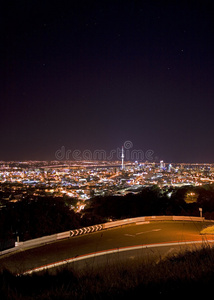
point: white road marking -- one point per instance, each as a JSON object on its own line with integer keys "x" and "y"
{"x": 126, "y": 234}
{"x": 148, "y": 231}
{"x": 142, "y": 232}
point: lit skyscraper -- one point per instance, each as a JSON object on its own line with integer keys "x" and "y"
{"x": 122, "y": 156}
{"x": 162, "y": 164}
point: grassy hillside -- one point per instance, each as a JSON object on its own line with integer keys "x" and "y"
{"x": 188, "y": 274}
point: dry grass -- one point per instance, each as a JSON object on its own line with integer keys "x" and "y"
{"x": 208, "y": 230}
{"x": 191, "y": 273}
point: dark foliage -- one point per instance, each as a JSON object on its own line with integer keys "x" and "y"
{"x": 31, "y": 219}
{"x": 153, "y": 201}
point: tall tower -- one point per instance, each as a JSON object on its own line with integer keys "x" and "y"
{"x": 122, "y": 156}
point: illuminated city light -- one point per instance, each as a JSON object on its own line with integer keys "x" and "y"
{"x": 84, "y": 180}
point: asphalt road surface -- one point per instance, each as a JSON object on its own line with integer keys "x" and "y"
{"x": 152, "y": 240}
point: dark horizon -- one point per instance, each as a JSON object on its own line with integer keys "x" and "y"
{"x": 91, "y": 75}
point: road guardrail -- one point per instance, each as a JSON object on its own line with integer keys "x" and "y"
{"x": 85, "y": 230}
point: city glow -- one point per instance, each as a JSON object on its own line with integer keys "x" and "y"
{"x": 84, "y": 180}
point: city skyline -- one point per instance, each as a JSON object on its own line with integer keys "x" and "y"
{"x": 90, "y": 75}
{"x": 84, "y": 180}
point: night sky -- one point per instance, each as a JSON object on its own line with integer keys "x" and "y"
{"x": 94, "y": 74}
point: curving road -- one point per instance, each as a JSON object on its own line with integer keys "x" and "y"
{"x": 130, "y": 242}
